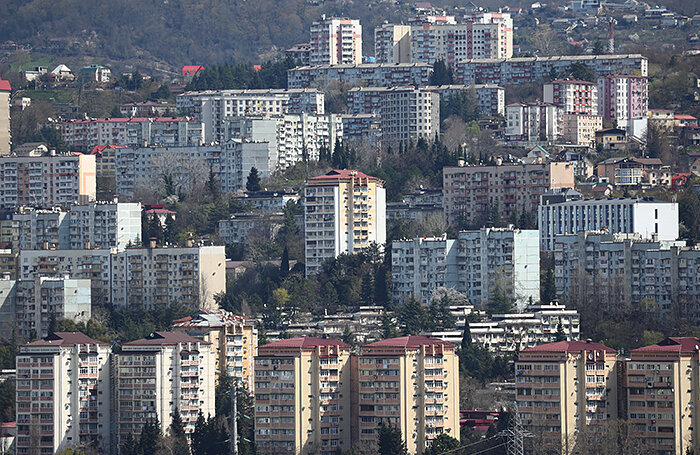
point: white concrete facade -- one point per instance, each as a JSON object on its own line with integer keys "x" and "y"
{"x": 335, "y": 41}
{"x": 648, "y": 218}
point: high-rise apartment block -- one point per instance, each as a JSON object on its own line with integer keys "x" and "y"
{"x": 47, "y": 180}
{"x": 489, "y": 97}
{"x": 623, "y": 98}
{"x": 614, "y": 268}
{"x": 84, "y": 135}
{"x": 63, "y": 394}
{"x": 572, "y": 96}
{"x": 408, "y": 113}
{"x": 528, "y": 70}
{"x": 579, "y": 129}
{"x": 647, "y": 217}
{"x": 234, "y": 339}
{"x": 365, "y": 74}
{"x": 409, "y": 382}
{"x": 485, "y": 36}
{"x": 137, "y": 277}
{"x": 303, "y": 397}
{"x": 566, "y": 387}
{"x": 344, "y": 212}
{"x": 5, "y": 138}
{"x": 335, "y": 41}
{"x": 477, "y": 264}
{"x": 469, "y": 192}
{"x": 532, "y": 122}
{"x": 157, "y": 375}
{"x": 212, "y": 107}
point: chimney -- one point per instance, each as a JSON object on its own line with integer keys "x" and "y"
{"x": 188, "y": 243}
{"x": 152, "y": 242}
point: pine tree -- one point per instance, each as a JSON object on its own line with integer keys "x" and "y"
{"x": 150, "y": 440}
{"x": 444, "y": 443}
{"x": 130, "y": 446}
{"x": 284, "y": 263}
{"x": 439, "y": 315}
{"x": 561, "y": 336}
{"x": 169, "y": 233}
{"x": 466, "y": 337}
{"x": 145, "y": 232}
{"x": 212, "y": 184}
{"x": 177, "y": 435}
{"x": 367, "y": 290}
{"x": 390, "y": 441}
{"x": 388, "y": 327}
{"x": 549, "y": 291}
{"x": 155, "y": 229}
{"x": 253, "y": 183}
{"x": 413, "y": 317}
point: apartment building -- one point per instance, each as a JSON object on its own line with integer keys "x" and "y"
{"x": 291, "y": 137}
{"x": 532, "y": 122}
{"x": 483, "y": 36}
{"x": 572, "y": 96}
{"x": 477, "y": 264}
{"x": 157, "y": 375}
{"x": 409, "y": 382}
{"x": 469, "y": 191}
{"x": 142, "y": 277}
{"x": 36, "y": 228}
{"x": 300, "y": 52}
{"x": 42, "y": 299}
{"x": 212, "y": 107}
{"x": 47, "y": 180}
{"x": 84, "y": 135}
{"x": 237, "y": 228}
{"x": 644, "y": 216}
{"x": 579, "y": 129}
{"x": 362, "y": 129}
{"x": 623, "y": 98}
{"x": 632, "y": 171}
{"x": 63, "y": 394}
{"x": 303, "y": 397}
{"x": 268, "y": 201}
{"x": 528, "y": 70}
{"x": 513, "y": 332}
{"x": 5, "y": 137}
{"x": 335, "y": 41}
{"x": 612, "y": 269}
{"x": 565, "y": 387}
{"x": 408, "y": 113}
{"x": 661, "y": 394}
{"x": 344, "y": 212}
{"x": 365, "y": 74}
{"x": 234, "y": 339}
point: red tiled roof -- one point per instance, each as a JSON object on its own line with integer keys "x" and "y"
{"x": 191, "y": 70}
{"x": 305, "y": 342}
{"x": 257, "y": 67}
{"x": 158, "y": 211}
{"x": 569, "y": 346}
{"x": 684, "y": 117}
{"x": 5, "y": 86}
{"x": 165, "y": 339}
{"x": 673, "y": 344}
{"x": 411, "y": 341}
{"x": 571, "y": 81}
{"x": 98, "y": 149}
{"x": 343, "y": 174}
{"x": 65, "y": 339}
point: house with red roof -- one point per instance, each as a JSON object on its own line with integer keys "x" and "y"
{"x": 179, "y": 372}
{"x": 158, "y": 210}
{"x": 190, "y": 71}
{"x": 565, "y": 387}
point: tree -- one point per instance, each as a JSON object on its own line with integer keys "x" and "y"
{"x": 155, "y": 229}
{"x": 170, "y": 232}
{"x": 561, "y": 336}
{"x": 390, "y": 441}
{"x": 151, "y": 438}
{"x": 412, "y": 317}
{"x": 581, "y": 72}
{"x": 284, "y": 263}
{"x": 441, "y": 74}
{"x": 548, "y": 293}
{"x": 442, "y": 444}
{"x": 466, "y": 337}
{"x": 388, "y": 327}
{"x": 163, "y": 92}
{"x": 7, "y": 401}
{"x": 177, "y": 438}
{"x": 213, "y": 184}
{"x": 439, "y": 314}
{"x": 253, "y": 183}
{"x": 598, "y": 48}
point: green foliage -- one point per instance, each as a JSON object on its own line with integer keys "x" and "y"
{"x": 272, "y": 74}
{"x": 136, "y": 323}
{"x": 561, "y": 336}
{"x": 210, "y": 436}
{"x": 91, "y": 328}
{"x": 163, "y": 92}
{"x": 133, "y": 81}
{"x": 180, "y": 446}
{"x": 388, "y": 327}
{"x": 253, "y": 182}
{"x": 390, "y": 441}
{"x": 462, "y": 105}
{"x": 548, "y": 290}
{"x": 439, "y": 315}
{"x": 413, "y": 317}
{"x": 689, "y": 216}
{"x": 148, "y": 443}
{"x": 8, "y": 351}
{"x": 499, "y": 301}
{"x": 581, "y": 72}
{"x": 442, "y": 444}
{"x": 7, "y": 401}
{"x": 442, "y": 75}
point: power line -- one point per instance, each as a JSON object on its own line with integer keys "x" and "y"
{"x": 473, "y": 444}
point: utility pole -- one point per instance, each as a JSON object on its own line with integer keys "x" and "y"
{"x": 515, "y": 434}
{"x": 233, "y": 421}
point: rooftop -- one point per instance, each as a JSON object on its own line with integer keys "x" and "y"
{"x": 685, "y": 345}
{"x": 305, "y": 343}
{"x": 343, "y": 174}
{"x": 570, "y": 346}
{"x": 5, "y": 86}
{"x": 210, "y": 318}
{"x": 411, "y": 341}
{"x": 165, "y": 339}
{"x": 65, "y": 339}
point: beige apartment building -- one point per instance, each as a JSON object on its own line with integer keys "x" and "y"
{"x": 335, "y": 41}
{"x": 5, "y": 138}
{"x": 561, "y": 385}
{"x": 469, "y": 191}
{"x": 234, "y": 338}
{"x": 154, "y": 376}
{"x": 662, "y": 394}
{"x": 410, "y": 382}
{"x": 302, "y": 397}
{"x": 344, "y": 212}
{"x": 580, "y": 129}
{"x": 63, "y": 395}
